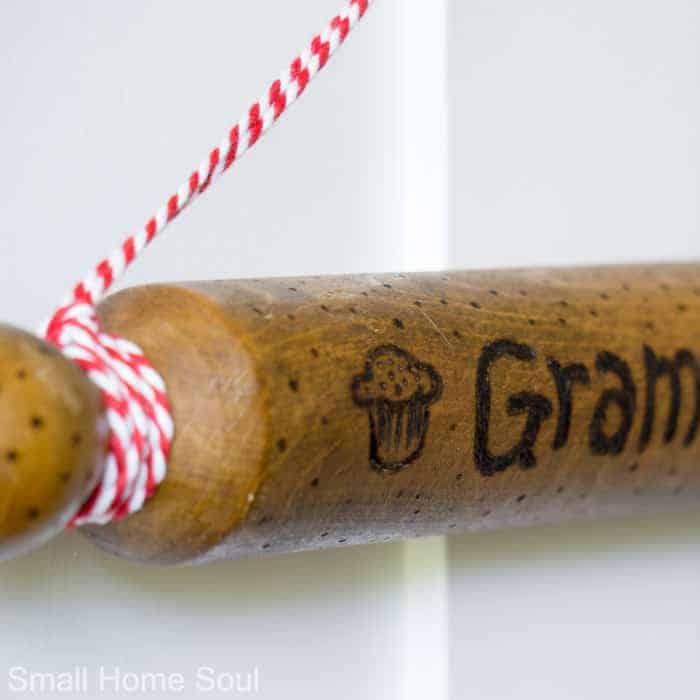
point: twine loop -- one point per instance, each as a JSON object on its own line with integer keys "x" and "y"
{"x": 136, "y": 409}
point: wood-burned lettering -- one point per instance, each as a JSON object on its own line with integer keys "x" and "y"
{"x": 536, "y": 406}
{"x": 657, "y": 367}
{"x": 613, "y": 415}
{"x": 624, "y": 397}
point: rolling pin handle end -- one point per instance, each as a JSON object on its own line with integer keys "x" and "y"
{"x": 52, "y": 441}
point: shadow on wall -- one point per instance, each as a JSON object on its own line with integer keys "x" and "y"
{"x": 266, "y": 582}
{"x": 576, "y": 544}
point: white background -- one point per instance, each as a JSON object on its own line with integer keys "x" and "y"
{"x": 445, "y": 133}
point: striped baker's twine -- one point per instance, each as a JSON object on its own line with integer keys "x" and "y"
{"x": 134, "y": 394}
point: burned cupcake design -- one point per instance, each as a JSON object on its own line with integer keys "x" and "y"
{"x": 397, "y": 390}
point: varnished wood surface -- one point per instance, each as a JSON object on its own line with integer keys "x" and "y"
{"x": 51, "y": 440}
{"x": 317, "y": 412}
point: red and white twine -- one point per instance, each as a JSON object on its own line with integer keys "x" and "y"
{"x": 134, "y": 395}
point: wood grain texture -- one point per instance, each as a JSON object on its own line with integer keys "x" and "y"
{"x": 291, "y": 434}
{"x": 51, "y": 440}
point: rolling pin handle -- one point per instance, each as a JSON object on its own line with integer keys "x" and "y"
{"x": 52, "y": 441}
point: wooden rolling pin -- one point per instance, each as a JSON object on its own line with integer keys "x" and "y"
{"x": 326, "y": 411}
